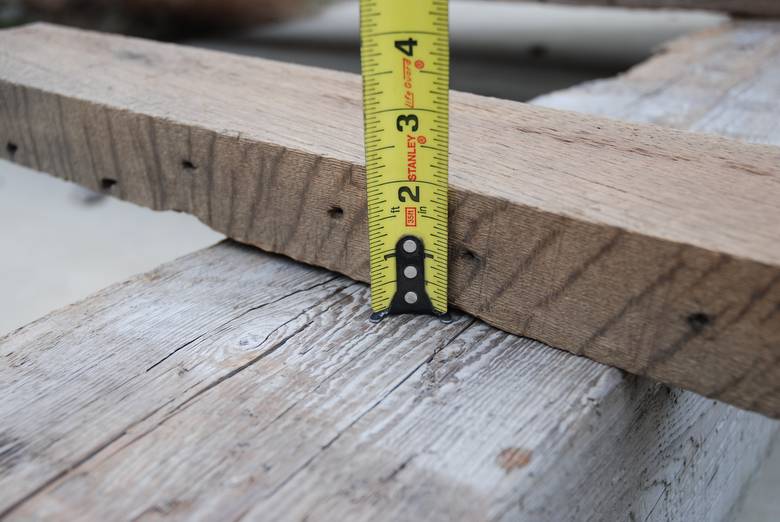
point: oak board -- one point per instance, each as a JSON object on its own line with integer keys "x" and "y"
{"x": 117, "y": 446}
{"x": 648, "y": 249}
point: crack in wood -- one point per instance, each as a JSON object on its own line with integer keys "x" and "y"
{"x": 245, "y": 312}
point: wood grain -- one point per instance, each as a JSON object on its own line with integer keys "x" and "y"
{"x": 652, "y": 250}
{"x": 737, "y": 7}
{"x": 233, "y": 384}
{"x": 722, "y": 81}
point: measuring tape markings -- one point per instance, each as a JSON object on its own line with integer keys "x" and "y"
{"x": 406, "y": 123}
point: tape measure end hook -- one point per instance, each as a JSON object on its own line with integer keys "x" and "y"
{"x": 376, "y": 317}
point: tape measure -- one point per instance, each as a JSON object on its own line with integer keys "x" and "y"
{"x": 405, "y": 61}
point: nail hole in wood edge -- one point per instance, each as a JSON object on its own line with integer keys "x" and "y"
{"x": 469, "y": 255}
{"x": 698, "y": 321}
{"x": 107, "y": 183}
{"x": 188, "y": 165}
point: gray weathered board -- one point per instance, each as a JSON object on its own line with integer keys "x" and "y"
{"x": 722, "y": 81}
{"x": 238, "y": 385}
{"x": 652, "y": 250}
{"x": 233, "y": 385}
{"x": 737, "y": 7}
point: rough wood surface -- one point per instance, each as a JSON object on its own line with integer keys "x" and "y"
{"x": 652, "y": 250}
{"x": 233, "y": 384}
{"x": 724, "y": 81}
{"x": 737, "y": 7}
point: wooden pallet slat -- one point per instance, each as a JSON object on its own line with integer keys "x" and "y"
{"x": 235, "y": 384}
{"x": 652, "y": 250}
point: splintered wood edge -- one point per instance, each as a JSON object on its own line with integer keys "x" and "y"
{"x": 652, "y": 250}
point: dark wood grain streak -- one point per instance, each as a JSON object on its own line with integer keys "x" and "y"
{"x": 666, "y": 277}
{"x": 523, "y": 266}
{"x": 572, "y": 278}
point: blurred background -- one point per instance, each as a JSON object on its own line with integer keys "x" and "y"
{"x": 56, "y": 247}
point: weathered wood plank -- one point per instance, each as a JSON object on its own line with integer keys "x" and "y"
{"x": 736, "y": 7}
{"x": 665, "y": 495}
{"x": 652, "y": 250}
{"x": 233, "y": 384}
{"x": 722, "y": 81}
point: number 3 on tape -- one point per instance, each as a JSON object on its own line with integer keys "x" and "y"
{"x": 405, "y": 61}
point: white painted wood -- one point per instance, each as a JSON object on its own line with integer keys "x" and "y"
{"x": 233, "y": 384}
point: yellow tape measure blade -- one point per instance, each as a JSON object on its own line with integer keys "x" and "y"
{"x": 405, "y": 60}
